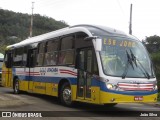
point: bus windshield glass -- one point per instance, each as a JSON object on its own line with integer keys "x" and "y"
{"x": 125, "y": 57}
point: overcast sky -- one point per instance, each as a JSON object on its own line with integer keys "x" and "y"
{"x": 111, "y": 13}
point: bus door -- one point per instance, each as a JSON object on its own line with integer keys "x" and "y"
{"x": 7, "y": 71}
{"x": 30, "y": 64}
{"x": 84, "y": 64}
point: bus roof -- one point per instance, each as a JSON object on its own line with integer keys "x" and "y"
{"x": 88, "y": 29}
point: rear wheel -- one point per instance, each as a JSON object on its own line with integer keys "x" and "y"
{"x": 16, "y": 86}
{"x": 65, "y": 94}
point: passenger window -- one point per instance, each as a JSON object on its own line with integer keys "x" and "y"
{"x": 66, "y": 57}
{"x": 66, "y": 53}
{"x": 40, "y": 55}
{"x": 89, "y": 60}
{"x": 18, "y": 55}
{"x": 52, "y": 53}
{"x": 67, "y": 43}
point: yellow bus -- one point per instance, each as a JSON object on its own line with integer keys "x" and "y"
{"x": 85, "y": 63}
{"x": 1, "y": 63}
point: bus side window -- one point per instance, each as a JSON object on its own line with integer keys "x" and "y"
{"x": 51, "y": 52}
{"x": 95, "y": 64}
{"x": 8, "y": 59}
{"x": 31, "y": 58}
{"x": 66, "y": 53}
{"x": 18, "y": 57}
{"x": 40, "y": 55}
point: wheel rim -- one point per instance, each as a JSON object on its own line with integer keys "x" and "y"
{"x": 16, "y": 88}
{"x": 67, "y": 95}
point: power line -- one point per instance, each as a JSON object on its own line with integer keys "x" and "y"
{"x": 120, "y": 7}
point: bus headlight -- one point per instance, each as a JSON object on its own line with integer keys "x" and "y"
{"x": 155, "y": 87}
{"x": 109, "y": 86}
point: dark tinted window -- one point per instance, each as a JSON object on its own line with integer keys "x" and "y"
{"x": 67, "y": 42}
{"x": 80, "y": 43}
{"x": 40, "y": 55}
{"x": 52, "y": 52}
{"x": 66, "y": 53}
{"x": 18, "y": 57}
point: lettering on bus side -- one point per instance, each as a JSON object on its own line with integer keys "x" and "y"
{"x": 52, "y": 70}
{"x": 48, "y": 70}
{"x": 42, "y": 71}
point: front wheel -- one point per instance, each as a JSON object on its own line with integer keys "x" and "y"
{"x": 16, "y": 87}
{"x": 65, "y": 95}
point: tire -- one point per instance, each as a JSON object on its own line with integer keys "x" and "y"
{"x": 65, "y": 94}
{"x": 16, "y": 86}
{"x": 110, "y": 104}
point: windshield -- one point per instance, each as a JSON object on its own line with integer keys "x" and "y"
{"x": 125, "y": 57}
{"x": 1, "y": 64}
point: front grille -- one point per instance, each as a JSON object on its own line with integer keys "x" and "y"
{"x": 135, "y": 87}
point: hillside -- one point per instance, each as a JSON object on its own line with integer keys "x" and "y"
{"x": 14, "y": 27}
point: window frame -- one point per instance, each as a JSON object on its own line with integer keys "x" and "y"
{"x": 66, "y": 50}
{"x": 54, "y": 51}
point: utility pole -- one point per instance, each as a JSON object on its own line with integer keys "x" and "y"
{"x": 130, "y": 22}
{"x": 31, "y": 20}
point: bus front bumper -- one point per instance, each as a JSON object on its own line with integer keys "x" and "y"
{"x": 107, "y": 97}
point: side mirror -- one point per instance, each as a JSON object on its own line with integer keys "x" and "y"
{"x": 98, "y": 46}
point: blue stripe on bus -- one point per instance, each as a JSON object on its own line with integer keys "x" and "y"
{"x": 95, "y": 82}
{"x": 52, "y": 79}
{"x": 73, "y": 81}
{"x": 104, "y": 88}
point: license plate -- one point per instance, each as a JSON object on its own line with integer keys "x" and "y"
{"x": 138, "y": 98}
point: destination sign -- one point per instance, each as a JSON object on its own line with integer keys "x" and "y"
{"x": 122, "y": 43}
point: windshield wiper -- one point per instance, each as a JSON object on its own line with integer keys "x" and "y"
{"x": 135, "y": 60}
{"x": 129, "y": 61}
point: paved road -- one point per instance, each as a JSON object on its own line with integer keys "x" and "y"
{"x": 49, "y": 106}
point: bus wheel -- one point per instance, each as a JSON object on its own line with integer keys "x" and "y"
{"x": 16, "y": 86}
{"x": 65, "y": 94}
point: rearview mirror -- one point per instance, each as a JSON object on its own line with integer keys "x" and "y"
{"x": 98, "y": 45}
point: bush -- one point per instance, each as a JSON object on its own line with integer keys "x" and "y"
{"x": 156, "y": 61}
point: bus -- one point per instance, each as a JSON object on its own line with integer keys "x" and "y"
{"x": 1, "y": 63}
{"x": 85, "y": 63}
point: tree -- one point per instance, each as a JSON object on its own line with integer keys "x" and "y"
{"x": 14, "y": 27}
{"x": 153, "y": 43}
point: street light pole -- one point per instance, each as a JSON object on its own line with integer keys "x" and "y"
{"x": 130, "y": 22}
{"x": 31, "y": 20}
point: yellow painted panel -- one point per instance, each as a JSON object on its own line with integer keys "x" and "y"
{"x": 4, "y": 74}
{"x": 39, "y": 87}
{"x": 48, "y": 88}
{"x": 23, "y": 85}
{"x": 74, "y": 92}
{"x": 119, "y": 98}
{"x": 10, "y": 80}
{"x": 95, "y": 94}
{"x": 54, "y": 89}
{"x": 30, "y": 89}
{"x": 6, "y": 77}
